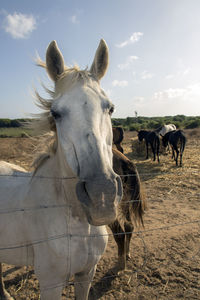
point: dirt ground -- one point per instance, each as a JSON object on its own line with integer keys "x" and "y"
{"x": 165, "y": 262}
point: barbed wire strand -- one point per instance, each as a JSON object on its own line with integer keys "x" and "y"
{"x": 55, "y": 237}
{"x": 29, "y": 175}
{"x": 52, "y": 206}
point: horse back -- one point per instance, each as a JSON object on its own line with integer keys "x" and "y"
{"x": 177, "y": 136}
{"x": 153, "y": 136}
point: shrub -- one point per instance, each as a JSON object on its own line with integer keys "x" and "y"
{"x": 134, "y": 127}
{"x": 193, "y": 124}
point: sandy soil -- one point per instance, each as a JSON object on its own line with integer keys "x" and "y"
{"x": 165, "y": 261}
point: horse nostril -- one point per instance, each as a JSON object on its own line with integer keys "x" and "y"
{"x": 84, "y": 188}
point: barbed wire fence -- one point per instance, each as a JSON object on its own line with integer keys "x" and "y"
{"x": 138, "y": 233}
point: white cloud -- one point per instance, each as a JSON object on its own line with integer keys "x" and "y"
{"x": 169, "y": 94}
{"x": 74, "y": 19}
{"x": 189, "y": 93}
{"x": 135, "y": 37}
{"x": 147, "y": 75}
{"x": 128, "y": 62}
{"x": 170, "y": 101}
{"x": 19, "y": 26}
{"x": 121, "y": 83}
{"x": 169, "y": 76}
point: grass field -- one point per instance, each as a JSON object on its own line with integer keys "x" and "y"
{"x": 14, "y": 132}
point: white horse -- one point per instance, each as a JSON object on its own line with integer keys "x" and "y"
{"x": 53, "y": 218}
{"x": 166, "y": 128}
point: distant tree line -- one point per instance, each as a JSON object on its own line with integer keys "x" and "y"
{"x": 130, "y": 123}
{"x": 139, "y": 122}
{"x": 7, "y": 123}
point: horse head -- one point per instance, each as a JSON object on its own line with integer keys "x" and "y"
{"x": 81, "y": 114}
{"x": 141, "y": 135}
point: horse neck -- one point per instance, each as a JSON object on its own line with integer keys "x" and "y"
{"x": 61, "y": 182}
{"x": 145, "y": 133}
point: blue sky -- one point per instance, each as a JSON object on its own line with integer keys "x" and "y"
{"x": 154, "y": 51}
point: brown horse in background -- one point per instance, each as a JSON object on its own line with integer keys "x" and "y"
{"x": 118, "y": 135}
{"x": 130, "y": 209}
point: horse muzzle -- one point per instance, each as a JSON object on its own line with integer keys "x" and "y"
{"x": 99, "y": 199}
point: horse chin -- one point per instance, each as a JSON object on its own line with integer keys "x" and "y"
{"x": 96, "y": 215}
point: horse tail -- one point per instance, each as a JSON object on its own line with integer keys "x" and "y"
{"x": 158, "y": 142}
{"x": 183, "y": 142}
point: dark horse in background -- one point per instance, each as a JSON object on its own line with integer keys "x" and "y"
{"x": 130, "y": 209}
{"x": 118, "y": 135}
{"x": 152, "y": 138}
{"x": 177, "y": 141}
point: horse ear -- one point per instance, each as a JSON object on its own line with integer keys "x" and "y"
{"x": 100, "y": 63}
{"x": 54, "y": 61}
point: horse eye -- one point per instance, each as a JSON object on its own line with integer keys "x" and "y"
{"x": 111, "y": 110}
{"x": 55, "y": 114}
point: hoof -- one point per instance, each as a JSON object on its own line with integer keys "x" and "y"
{"x": 128, "y": 272}
{"x": 125, "y": 272}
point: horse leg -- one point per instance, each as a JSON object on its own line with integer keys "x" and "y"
{"x": 51, "y": 273}
{"x": 181, "y": 154}
{"x": 119, "y": 237}
{"x": 82, "y": 283}
{"x": 129, "y": 231}
{"x": 177, "y": 153}
{"x": 51, "y": 292}
{"x": 4, "y": 295}
{"x": 153, "y": 150}
{"x": 158, "y": 150}
{"x": 173, "y": 154}
{"x": 168, "y": 147}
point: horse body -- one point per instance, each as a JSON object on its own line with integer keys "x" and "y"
{"x": 177, "y": 140}
{"x": 166, "y": 128}
{"x": 48, "y": 238}
{"x": 130, "y": 209}
{"x": 57, "y": 213}
{"x": 152, "y": 138}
